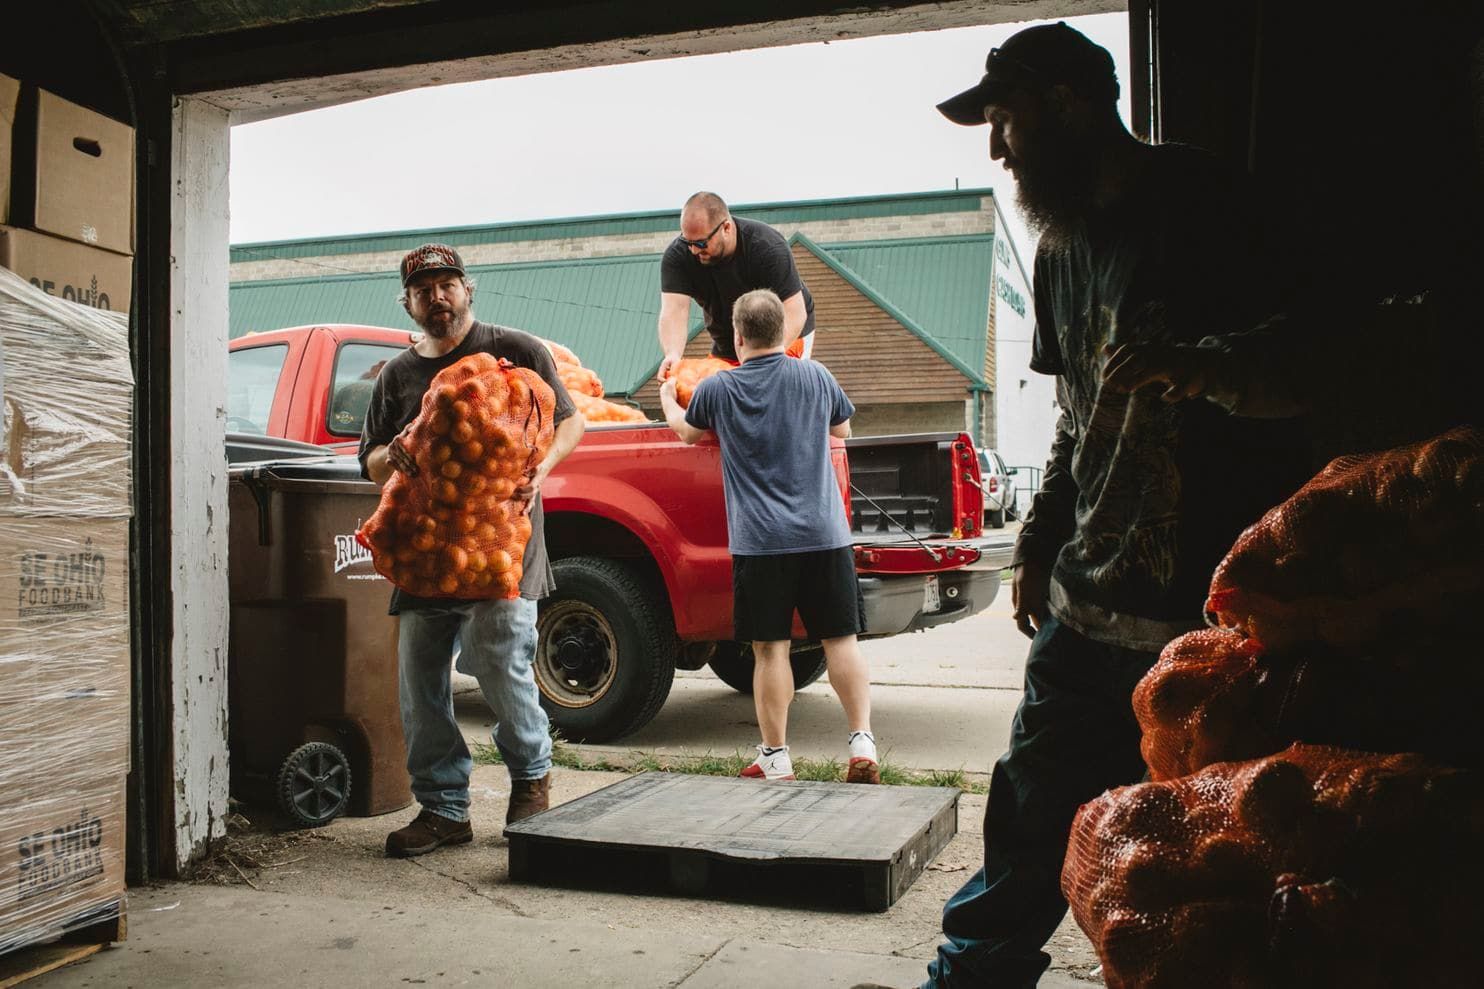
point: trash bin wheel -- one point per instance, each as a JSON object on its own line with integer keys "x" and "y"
{"x": 605, "y": 655}
{"x": 733, "y": 664}
{"x": 314, "y": 784}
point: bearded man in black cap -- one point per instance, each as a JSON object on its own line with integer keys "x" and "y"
{"x": 497, "y": 637}
{"x": 1141, "y": 497}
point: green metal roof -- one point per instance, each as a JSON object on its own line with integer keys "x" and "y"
{"x": 605, "y": 309}
{"x": 937, "y": 287}
{"x": 615, "y": 224}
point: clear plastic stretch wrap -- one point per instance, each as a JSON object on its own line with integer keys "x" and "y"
{"x": 64, "y": 612}
{"x": 1314, "y": 867}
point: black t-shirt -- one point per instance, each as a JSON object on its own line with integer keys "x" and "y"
{"x": 1141, "y": 497}
{"x": 397, "y": 399}
{"x": 762, "y": 260}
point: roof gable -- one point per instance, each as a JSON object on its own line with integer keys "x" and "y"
{"x": 936, "y": 287}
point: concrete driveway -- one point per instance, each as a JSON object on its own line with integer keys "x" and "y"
{"x": 941, "y": 699}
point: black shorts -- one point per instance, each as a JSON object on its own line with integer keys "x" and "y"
{"x": 821, "y": 585}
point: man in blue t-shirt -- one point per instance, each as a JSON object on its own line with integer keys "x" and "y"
{"x": 786, "y": 525}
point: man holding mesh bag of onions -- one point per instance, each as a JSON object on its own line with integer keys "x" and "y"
{"x": 497, "y": 633}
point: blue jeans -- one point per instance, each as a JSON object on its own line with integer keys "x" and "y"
{"x": 1073, "y": 737}
{"x": 498, "y": 644}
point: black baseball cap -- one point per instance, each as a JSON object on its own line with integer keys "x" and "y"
{"x": 430, "y": 257}
{"x": 1037, "y": 58}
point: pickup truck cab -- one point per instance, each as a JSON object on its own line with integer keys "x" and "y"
{"x": 636, "y": 530}
{"x": 310, "y": 384}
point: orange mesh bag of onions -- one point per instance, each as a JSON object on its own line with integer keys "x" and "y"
{"x": 691, "y": 371}
{"x": 1314, "y": 867}
{"x": 453, "y": 530}
{"x": 1372, "y": 547}
{"x": 1214, "y": 696}
{"x": 586, "y": 390}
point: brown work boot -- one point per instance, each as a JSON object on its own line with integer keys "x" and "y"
{"x": 427, "y": 832}
{"x": 528, "y": 797}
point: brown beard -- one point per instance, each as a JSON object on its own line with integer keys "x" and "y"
{"x": 1055, "y": 187}
{"x": 437, "y": 329}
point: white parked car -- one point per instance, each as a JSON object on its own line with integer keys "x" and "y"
{"x": 999, "y": 489}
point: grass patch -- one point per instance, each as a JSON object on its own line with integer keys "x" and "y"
{"x": 711, "y": 764}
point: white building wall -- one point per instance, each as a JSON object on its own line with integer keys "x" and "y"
{"x": 1025, "y": 401}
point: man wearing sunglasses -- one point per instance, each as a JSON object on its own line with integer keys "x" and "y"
{"x": 1140, "y": 498}
{"x": 716, "y": 260}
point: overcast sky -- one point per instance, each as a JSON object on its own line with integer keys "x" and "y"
{"x": 845, "y": 118}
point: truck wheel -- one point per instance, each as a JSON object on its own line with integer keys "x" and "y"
{"x": 997, "y": 519}
{"x": 605, "y": 655}
{"x": 314, "y": 784}
{"x": 733, "y": 665}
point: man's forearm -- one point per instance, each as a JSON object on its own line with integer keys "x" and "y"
{"x": 675, "y": 418}
{"x": 568, "y": 434}
{"x": 1052, "y": 518}
{"x": 794, "y": 318}
{"x": 672, "y": 335}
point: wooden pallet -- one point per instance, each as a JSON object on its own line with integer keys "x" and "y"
{"x": 76, "y": 944}
{"x": 850, "y": 845}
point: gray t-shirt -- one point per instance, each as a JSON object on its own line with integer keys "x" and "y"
{"x": 397, "y": 398}
{"x": 773, "y": 417}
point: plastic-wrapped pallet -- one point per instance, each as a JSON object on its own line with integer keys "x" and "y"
{"x": 64, "y": 612}
{"x": 1314, "y": 867}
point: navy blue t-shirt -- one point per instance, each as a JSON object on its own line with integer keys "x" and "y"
{"x": 773, "y": 417}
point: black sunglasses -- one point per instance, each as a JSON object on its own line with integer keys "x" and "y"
{"x": 700, "y": 244}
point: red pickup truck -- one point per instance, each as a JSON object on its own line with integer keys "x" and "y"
{"x": 636, "y": 528}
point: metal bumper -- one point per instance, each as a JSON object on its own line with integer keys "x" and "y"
{"x": 895, "y": 604}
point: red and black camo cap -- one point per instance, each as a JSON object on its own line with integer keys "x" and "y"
{"x": 430, "y": 257}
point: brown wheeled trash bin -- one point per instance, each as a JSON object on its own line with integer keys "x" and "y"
{"x": 312, "y": 669}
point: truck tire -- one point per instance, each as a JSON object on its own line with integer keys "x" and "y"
{"x": 997, "y": 519}
{"x": 605, "y": 652}
{"x": 733, "y": 665}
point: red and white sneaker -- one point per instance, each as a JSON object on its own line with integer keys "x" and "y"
{"x": 770, "y": 764}
{"x": 862, "y": 767}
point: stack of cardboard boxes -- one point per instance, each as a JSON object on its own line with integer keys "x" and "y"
{"x": 66, "y": 400}
{"x": 66, "y": 197}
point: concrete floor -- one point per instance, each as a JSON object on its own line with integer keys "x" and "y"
{"x": 326, "y": 908}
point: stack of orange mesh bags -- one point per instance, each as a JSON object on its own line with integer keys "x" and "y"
{"x": 1315, "y": 816}
{"x": 586, "y": 390}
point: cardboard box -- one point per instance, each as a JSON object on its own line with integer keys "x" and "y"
{"x": 10, "y": 92}
{"x": 64, "y": 604}
{"x": 89, "y": 276}
{"x": 74, "y": 172}
{"x": 64, "y": 640}
{"x": 66, "y": 406}
{"x": 61, "y": 856}
{"x": 64, "y": 722}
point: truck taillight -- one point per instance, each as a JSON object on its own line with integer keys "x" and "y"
{"x": 994, "y": 484}
{"x": 840, "y": 460}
